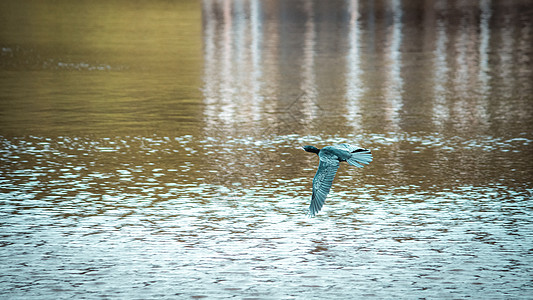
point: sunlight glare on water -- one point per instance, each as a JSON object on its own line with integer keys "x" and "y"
{"x": 156, "y": 154}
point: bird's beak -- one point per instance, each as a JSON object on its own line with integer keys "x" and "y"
{"x": 301, "y": 148}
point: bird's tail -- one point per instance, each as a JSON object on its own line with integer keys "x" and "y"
{"x": 360, "y": 157}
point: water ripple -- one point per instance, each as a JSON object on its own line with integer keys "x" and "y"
{"x": 109, "y": 214}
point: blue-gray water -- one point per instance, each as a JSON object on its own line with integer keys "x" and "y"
{"x": 150, "y": 151}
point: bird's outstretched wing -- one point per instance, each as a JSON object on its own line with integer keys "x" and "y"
{"x": 358, "y": 156}
{"x": 346, "y": 147}
{"x": 327, "y": 168}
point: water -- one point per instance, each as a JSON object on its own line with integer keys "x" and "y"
{"x": 150, "y": 150}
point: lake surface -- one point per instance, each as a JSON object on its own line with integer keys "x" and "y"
{"x": 150, "y": 150}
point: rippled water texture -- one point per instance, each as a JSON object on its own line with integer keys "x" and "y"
{"x": 150, "y": 150}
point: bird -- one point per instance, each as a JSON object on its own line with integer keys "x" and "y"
{"x": 330, "y": 159}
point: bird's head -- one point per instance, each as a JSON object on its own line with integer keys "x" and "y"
{"x": 311, "y": 149}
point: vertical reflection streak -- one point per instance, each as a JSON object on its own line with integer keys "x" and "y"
{"x": 210, "y": 54}
{"x": 256, "y": 36}
{"x": 271, "y": 46}
{"x": 461, "y": 77}
{"x": 464, "y": 79}
{"x": 233, "y": 63}
{"x": 227, "y": 108}
{"x": 523, "y": 62}
{"x": 440, "y": 109}
{"x": 524, "y": 58}
{"x": 308, "y": 84}
{"x": 354, "y": 86}
{"x": 394, "y": 82}
{"x": 506, "y": 56}
{"x": 506, "y": 51}
{"x": 483, "y": 74}
{"x": 482, "y": 110}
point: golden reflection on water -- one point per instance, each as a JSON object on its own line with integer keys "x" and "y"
{"x": 90, "y": 67}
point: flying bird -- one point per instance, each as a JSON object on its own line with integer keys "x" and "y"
{"x": 330, "y": 158}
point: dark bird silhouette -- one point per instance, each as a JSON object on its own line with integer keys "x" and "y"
{"x": 330, "y": 158}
